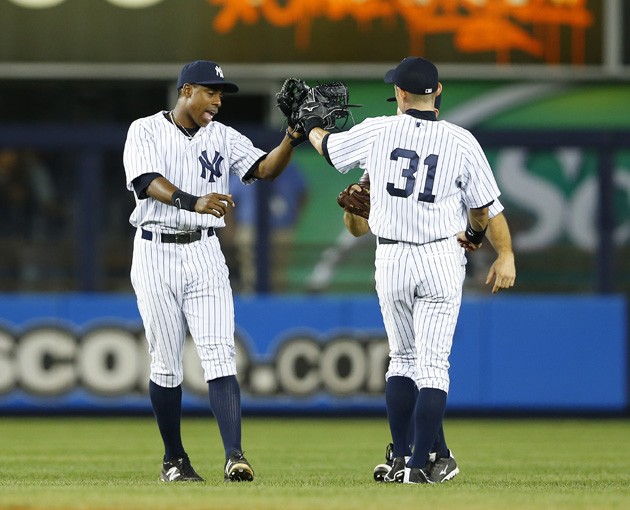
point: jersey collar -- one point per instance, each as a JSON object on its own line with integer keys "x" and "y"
{"x": 421, "y": 114}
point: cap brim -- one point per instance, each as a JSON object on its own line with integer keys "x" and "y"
{"x": 389, "y": 78}
{"x": 227, "y": 86}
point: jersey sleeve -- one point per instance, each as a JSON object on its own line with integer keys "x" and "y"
{"x": 244, "y": 156}
{"x": 345, "y": 155}
{"x": 141, "y": 183}
{"x": 140, "y": 155}
{"x": 495, "y": 208}
{"x": 480, "y": 187}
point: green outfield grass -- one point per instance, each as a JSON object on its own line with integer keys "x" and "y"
{"x": 312, "y": 464}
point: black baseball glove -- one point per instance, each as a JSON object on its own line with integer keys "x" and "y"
{"x": 355, "y": 199}
{"x": 290, "y": 98}
{"x": 323, "y": 106}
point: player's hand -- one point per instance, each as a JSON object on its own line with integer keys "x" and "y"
{"x": 466, "y": 244}
{"x": 214, "y": 203}
{"x": 503, "y": 272}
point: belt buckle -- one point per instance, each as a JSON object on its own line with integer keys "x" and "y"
{"x": 183, "y": 237}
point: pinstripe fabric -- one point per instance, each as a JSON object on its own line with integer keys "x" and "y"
{"x": 495, "y": 208}
{"x": 419, "y": 290}
{"x": 180, "y": 286}
{"x": 424, "y": 175}
{"x": 397, "y": 152}
{"x": 184, "y": 286}
{"x": 155, "y": 145}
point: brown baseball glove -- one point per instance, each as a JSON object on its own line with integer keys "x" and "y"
{"x": 355, "y": 199}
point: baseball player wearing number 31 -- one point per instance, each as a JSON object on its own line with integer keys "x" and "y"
{"x": 502, "y": 275}
{"x": 177, "y": 163}
{"x": 421, "y": 171}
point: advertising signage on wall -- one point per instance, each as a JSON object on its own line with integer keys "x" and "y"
{"x": 501, "y": 32}
{"x": 87, "y": 352}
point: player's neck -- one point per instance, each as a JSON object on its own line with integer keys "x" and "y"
{"x": 421, "y": 114}
{"x": 183, "y": 121}
{"x": 189, "y": 132}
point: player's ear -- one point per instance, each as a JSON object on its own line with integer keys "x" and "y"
{"x": 187, "y": 89}
{"x": 403, "y": 95}
{"x": 439, "y": 90}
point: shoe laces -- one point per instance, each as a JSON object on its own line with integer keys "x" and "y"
{"x": 237, "y": 456}
{"x": 185, "y": 467}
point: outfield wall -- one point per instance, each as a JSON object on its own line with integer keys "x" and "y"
{"x": 86, "y": 353}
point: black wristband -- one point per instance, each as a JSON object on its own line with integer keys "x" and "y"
{"x": 312, "y": 123}
{"x": 296, "y": 140}
{"x": 475, "y": 236}
{"x": 183, "y": 200}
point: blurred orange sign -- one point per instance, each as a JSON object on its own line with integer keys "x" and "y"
{"x": 474, "y": 26}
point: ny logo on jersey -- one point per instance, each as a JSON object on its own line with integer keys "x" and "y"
{"x": 219, "y": 71}
{"x": 212, "y": 167}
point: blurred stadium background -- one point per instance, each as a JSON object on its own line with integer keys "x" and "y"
{"x": 543, "y": 84}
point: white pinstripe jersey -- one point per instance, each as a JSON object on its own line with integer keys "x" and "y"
{"x": 495, "y": 208}
{"x": 198, "y": 166}
{"x": 421, "y": 171}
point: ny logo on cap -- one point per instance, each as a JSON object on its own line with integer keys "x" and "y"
{"x": 219, "y": 71}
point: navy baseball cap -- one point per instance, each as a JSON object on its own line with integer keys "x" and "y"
{"x": 204, "y": 72}
{"x": 414, "y": 74}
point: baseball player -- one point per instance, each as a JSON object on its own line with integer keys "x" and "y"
{"x": 502, "y": 274}
{"x": 420, "y": 172}
{"x": 177, "y": 163}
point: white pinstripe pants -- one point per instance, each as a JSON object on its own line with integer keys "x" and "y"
{"x": 180, "y": 286}
{"x": 420, "y": 291}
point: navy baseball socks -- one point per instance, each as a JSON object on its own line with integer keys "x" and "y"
{"x": 167, "y": 407}
{"x": 400, "y": 399}
{"x": 225, "y": 402}
{"x": 439, "y": 446}
{"x": 429, "y": 414}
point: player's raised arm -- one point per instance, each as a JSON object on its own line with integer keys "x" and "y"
{"x": 276, "y": 161}
{"x": 316, "y": 136}
{"x": 289, "y": 98}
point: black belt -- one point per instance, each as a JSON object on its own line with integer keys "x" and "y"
{"x": 179, "y": 237}
{"x": 383, "y": 240}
